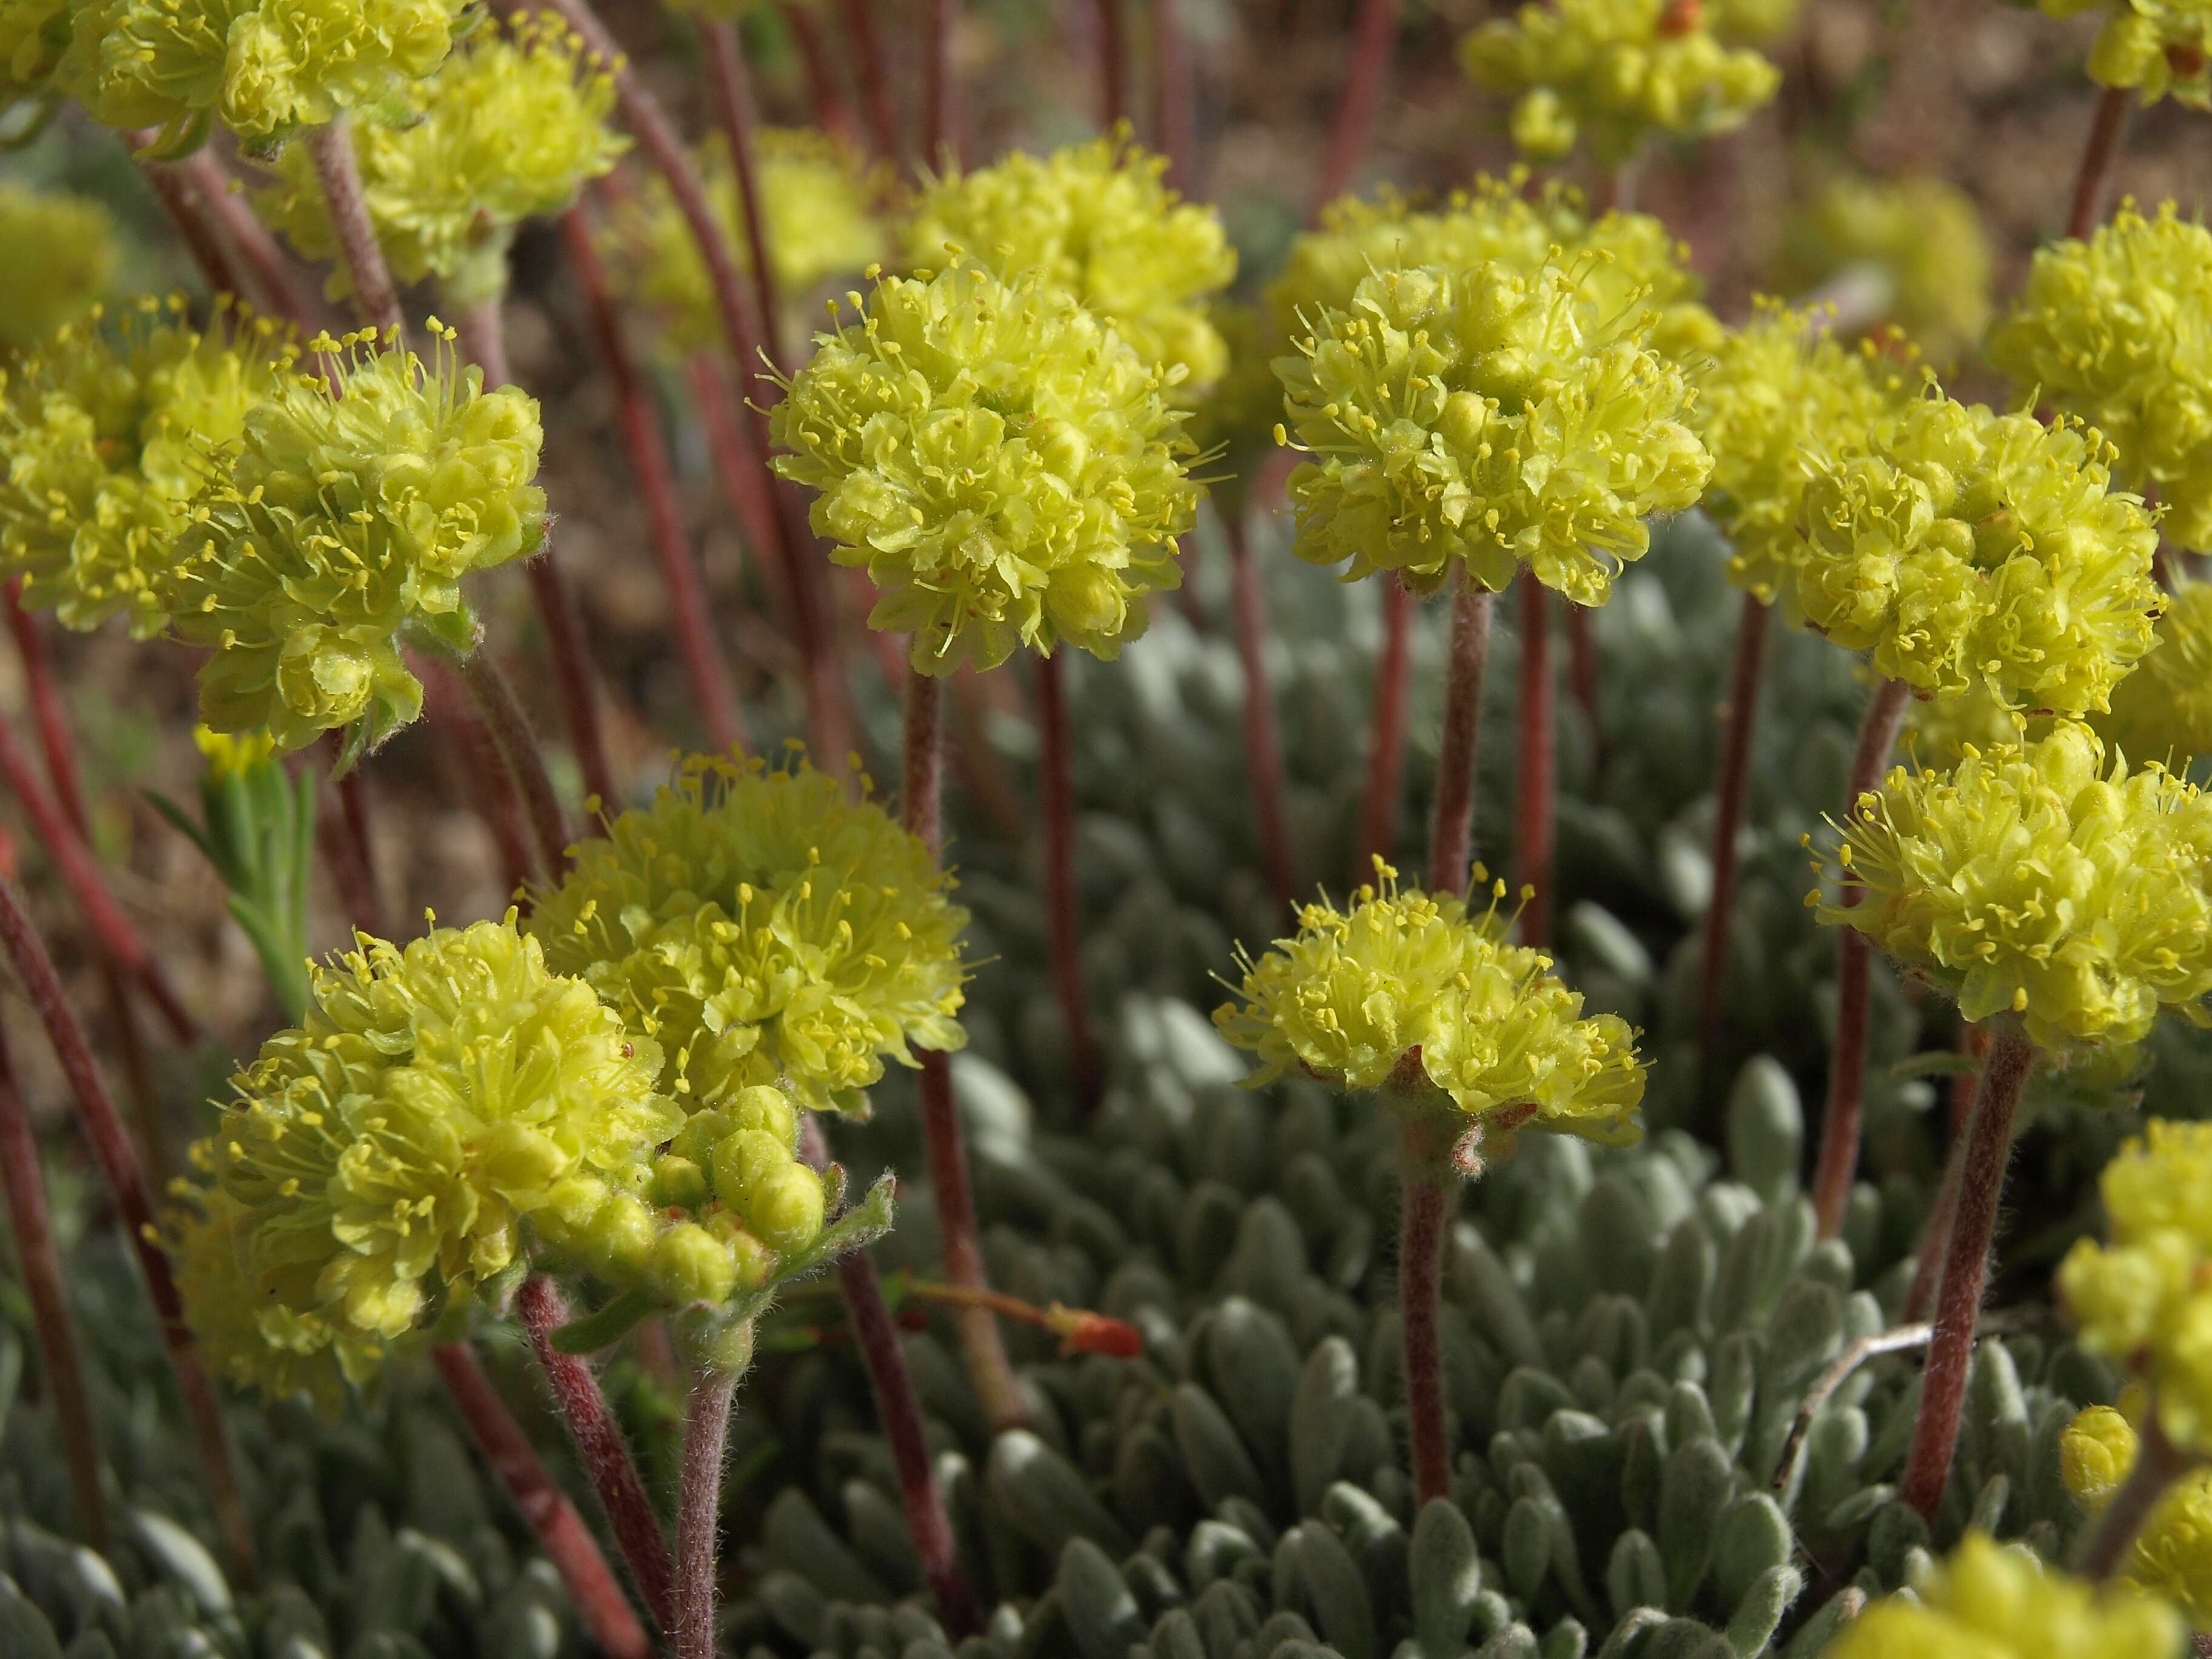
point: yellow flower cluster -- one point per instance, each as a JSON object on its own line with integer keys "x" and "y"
{"x": 2034, "y": 879}
{"x": 2172, "y": 1556}
{"x": 511, "y": 127}
{"x": 1402, "y": 979}
{"x": 2145, "y": 1299}
{"x": 2161, "y": 46}
{"x": 1008, "y": 471}
{"x": 347, "y": 513}
{"x": 1918, "y": 241}
{"x": 758, "y": 927}
{"x": 1776, "y": 395}
{"x": 1614, "y": 73}
{"x": 58, "y": 255}
{"x": 1988, "y": 1601}
{"x": 1097, "y": 220}
{"x": 2111, "y": 329}
{"x": 1959, "y": 544}
{"x": 1489, "y": 419}
{"x": 819, "y": 214}
{"x": 106, "y": 435}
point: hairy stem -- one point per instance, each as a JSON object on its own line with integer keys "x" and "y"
{"x": 1386, "y": 733}
{"x": 823, "y": 94}
{"x": 1535, "y": 800}
{"x": 272, "y": 271}
{"x": 1375, "y": 34}
{"x": 1263, "y": 750}
{"x": 1420, "y": 1270}
{"x": 2107, "y": 127}
{"x": 330, "y": 148}
{"x": 699, "y": 1511}
{"x": 733, "y": 92}
{"x": 1062, "y": 903}
{"x": 1451, "y": 831}
{"x": 1742, "y": 716}
{"x": 516, "y": 746}
{"x": 1935, "y": 1234}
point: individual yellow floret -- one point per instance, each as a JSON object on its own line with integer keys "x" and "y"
{"x": 57, "y": 256}
{"x": 1007, "y": 471}
{"x": 2172, "y": 1556}
{"x": 2157, "y": 46}
{"x": 1914, "y": 246}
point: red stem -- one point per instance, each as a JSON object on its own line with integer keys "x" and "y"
{"x": 1386, "y": 737}
{"x": 552, "y": 1519}
{"x": 1113, "y": 68}
{"x": 705, "y": 667}
{"x": 1935, "y": 1235}
{"x": 1263, "y": 752}
{"x": 699, "y": 1512}
{"x": 1840, "y": 1124}
{"x": 126, "y": 1182}
{"x": 2107, "y": 127}
{"x": 1063, "y": 920}
{"x": 1741, "y": 717}
{"x": 734, "y": 91}
{"x": 40, "y": 1262}
{"x": 1451, "y": 832}
{"x": 474, "y": 773}
{"x": 1420, "y": 1272}
{"x": 330, "y": 148}
{"x": 875, "y": 90}
{"x": 1174, "y": 94}
{"x": 351, "y": 853}
{"x": 516, "y": 746}
{"x": 251, "y": 240}
{"x": 1958, "y": 1305}
{"x": 921, "y": 760}
{"x": 1536, "y": 792}
{"x": 185, "y": 202}
{"x": 832, "y": 114}
{"x": 599, "y": 1443}
{"x": 1376, "y": 34}
{"x": 940, "y": 107}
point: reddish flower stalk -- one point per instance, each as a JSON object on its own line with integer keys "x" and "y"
{"x": 705, "y": 669}
{"x": 273, "y": 272}
{"x": 832, "y": 114}
{"x": 40, "y": 1262}
{"x": 330, "y": 148}
{"x": 516, "y": 746}
{"x": 699, "y": 1511}
{"x": 1582, "y": 671}
{"x": 1386, "y": 735}
{"x": 126, "y": 1183}
{"x": 1113, "y": 65}
{"x": 746, "y": 484}
{"x": 1958, "y": 1304}
{"x": 1263, "y": 751}
{"x": 185, "y": 201}
{"x": 1840, "y": 1123}
{"x": 1451, "y": 833}
{"x": 343, "y": 837}
{"x": 1081, "y": 1330}
{"x": 940, "y": 103}
{"x": 599, "y": 1444}
{"x": 473, "y": 773}
{"x": 734, "y": 91}
{"x": 1536, "y": 791}
{"x": 1174, "y": 94}
{"x": 1935, "y": 1235}
{"x": 2107, "y": 127}
{"x": 1375, "y": 33}
{"x": 1424, "y": 1223}
{"x": 552, "y": 1519}
{"x": 1728, "y": 823}
{"x": 875, "y": 90}
{"x": 1063, "y": 918}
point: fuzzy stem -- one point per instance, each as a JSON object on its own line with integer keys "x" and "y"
{"x": 699, "y": 1511}
{"x": 940, "y": 106}
{"x": 744, "y": 485}
{"x": 552, "y": 1519}
{"x": 599, "y": 1443}
{"x": 473, "y": 773}
{"x": 2107, "y": 127}
{"x": 228, "y": 207}
{"x": 1063, "y": 921}
{"x": 40, "y": 1262}
{"x": 1113, "y": 65}
{"x": 705, "y": 668}
{"x": 733, "y": 92}
{"x": 1451, "y": 832}
{"x": 1535, "y": 800}
{"x": 1376, "y": 34}
{"x": 1420, "y": 1272}
{"x": 832, "y": 114}
{"x": 516, "y": 746}
{"x": 183, "y": 199}
{"x": 330, "y": 148}
{"x": 1840, "y": 1127}
{"x": 1958, "y": 1304}
{"x": 1728, "y": 823}
{"x": 2159, "y": 1463}
{"x": 1174, "y": 94}
{"x": 1935, "y": 1234}
{"x": 875, "y": 90}
{"x": 1582, "y": 671}
{"x": 1263, "y": 751}
{"x": 126, "y": 1183}
{"x": 921, "y": 760}
{"x": 1386, "y": 733}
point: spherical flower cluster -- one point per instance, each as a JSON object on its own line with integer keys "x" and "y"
{"x": 761, "y": 927}
{"x": 2036, "y": 880}
{"x": 106, "y": 435}
{"x": 1486, "y": 419}
{"x": 819, "y": 214}
{"x": 1614, "y": 72}
{"x": 2160, "y": 46}
{"x": 1986, "y": 1600}
{"x": 1915, "y": 241}
{"x": 2145, "y": 1299}
{"x": 1960, "y": 543}
{"x": 740, "y": 1161}
{"x": 2172, "y": 1556}
{"x": 346, "y": 513}
{"x": 511, "y": 127}
{"x": 1097, "y": 220}
{"x": 2118, "y": 331}
{"x": 1009, "y": 472}
{"x": 2163, "y": 711}
{"x": 1776, "y": 394}
{"x": 58, "y": 255}
{"x": 1430, "y": 998}
{"x": 262, "y": 69}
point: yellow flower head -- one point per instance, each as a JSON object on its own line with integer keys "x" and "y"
{"x": 761, "y": 927}
{"x": 1403, "y": 980}
{"x": 1958, "y": 543}
{"x": 58, "y": 255}
{"x": 2145, "y": 1299}
{"x": 1009, "y": 472}
{"x": 2118, "y": 331}
{"x": 1097, "y": 220}
{"x": 1615, "y": 73}
{"x": 819, "y": 215}
{"x": 2035, "y": 879}
{"x": 343, "y": 516}
{"x": 1775, "y": 395}
{"x": 263, "y": 68}
{"x": 1917, "y": 241}
{"x": 1987, "y": 1600}
{"x": 2163, "y": 711}
{"x": 510, "y": 127}
{"x": 2160, "y": 46}
{"x": 1489, "y": 419}
{"x": 2172, "y": 1556}
{"x": 106, "y": 433}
